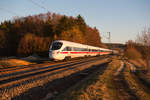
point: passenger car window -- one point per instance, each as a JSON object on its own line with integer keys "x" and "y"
{"x": 67, "y": 49}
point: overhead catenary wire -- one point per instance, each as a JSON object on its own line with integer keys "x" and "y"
{"x": 37, "y": 4}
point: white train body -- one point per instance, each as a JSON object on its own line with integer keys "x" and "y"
{"x": 61, "y": 49}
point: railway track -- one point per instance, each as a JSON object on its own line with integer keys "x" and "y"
{"x": 29, "y": 67}
{"x": 60, "y": 85}
{"x": 16, "y": 76}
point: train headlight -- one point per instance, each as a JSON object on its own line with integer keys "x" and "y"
{"x": 57, "y": 52}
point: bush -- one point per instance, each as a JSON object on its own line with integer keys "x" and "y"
{"x": 132, "y": 53}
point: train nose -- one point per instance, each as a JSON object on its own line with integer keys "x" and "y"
{"x": 52, "y": 54}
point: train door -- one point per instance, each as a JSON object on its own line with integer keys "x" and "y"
{"x": 69, "y": 49}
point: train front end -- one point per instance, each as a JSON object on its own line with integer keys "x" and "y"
{"x": 55, "y": 49}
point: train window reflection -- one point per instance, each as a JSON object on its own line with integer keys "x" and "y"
{"x": 56, "y": 45}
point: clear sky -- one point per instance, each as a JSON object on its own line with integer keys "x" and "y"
{"x": 124, "y": 19}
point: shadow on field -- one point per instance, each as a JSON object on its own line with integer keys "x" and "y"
{"x": 58, "y": 86}
{"x": 141, "y": 77}
{"x": 122, "y": 87}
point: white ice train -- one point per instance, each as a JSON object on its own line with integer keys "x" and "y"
{"x": 61, "y": 49}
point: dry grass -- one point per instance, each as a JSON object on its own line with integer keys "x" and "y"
{"x": 143, "y": 74}
{"x": 142, "y": 66}
{"x": 13, "y": 62}
{"x": 95, "y": 87}
{"x": 32, "y": 58}
{"x": 132, "y": 53}
{"x": 135, "y": 85}
{"x": 140, "y": 63}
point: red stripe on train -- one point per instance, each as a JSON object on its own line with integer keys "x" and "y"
{"x": 64, "y": 52}
{"x": 77, "y": 52}
{"x": 85, "y": 52}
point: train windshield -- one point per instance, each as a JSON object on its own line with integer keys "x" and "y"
{"x": 56, "y": 45}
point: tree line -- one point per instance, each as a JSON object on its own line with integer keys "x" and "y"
{"x": 141, "y": 43}
{"x": 140, "y": 48}
{"x": 34, "y": 34}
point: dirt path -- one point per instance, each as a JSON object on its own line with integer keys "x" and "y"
{"x": 135, "y": 84}
{"x": 123, "y": 90}
{"x": 109, "y": 85}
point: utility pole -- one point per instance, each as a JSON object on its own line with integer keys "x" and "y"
{"x": 109, "y": 37}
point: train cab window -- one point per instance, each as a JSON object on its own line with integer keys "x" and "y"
{"x": 56, "y": 45}
{"x": 67, "y": 49}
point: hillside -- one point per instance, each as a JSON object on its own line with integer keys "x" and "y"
{"x": 34, "y": 34}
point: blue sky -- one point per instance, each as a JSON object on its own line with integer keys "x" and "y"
{"x": 124, "y": 19}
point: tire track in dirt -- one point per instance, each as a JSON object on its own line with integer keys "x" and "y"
{"x": 122, "y": 87}
{"x": 123, "y": 90}
{"x": 106, "y": 86}
{"x": 136, "y": 85}
{"x": 143, "y": 78}
{"x": 145, "y": 82}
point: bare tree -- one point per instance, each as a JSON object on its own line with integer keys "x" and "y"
{"x": 143, "y": 39}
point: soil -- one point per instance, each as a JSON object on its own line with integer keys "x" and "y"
{"x": 124, "y": 93}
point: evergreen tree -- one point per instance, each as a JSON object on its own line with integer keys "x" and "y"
{"x": 81, "y": 23}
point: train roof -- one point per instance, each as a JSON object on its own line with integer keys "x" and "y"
{"x": 64, "y": 41}
{"x": 78, "y": 44}
{"x": 71, "y": 43}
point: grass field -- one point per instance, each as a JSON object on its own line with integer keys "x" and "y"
{"x": 13, "y": 62}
